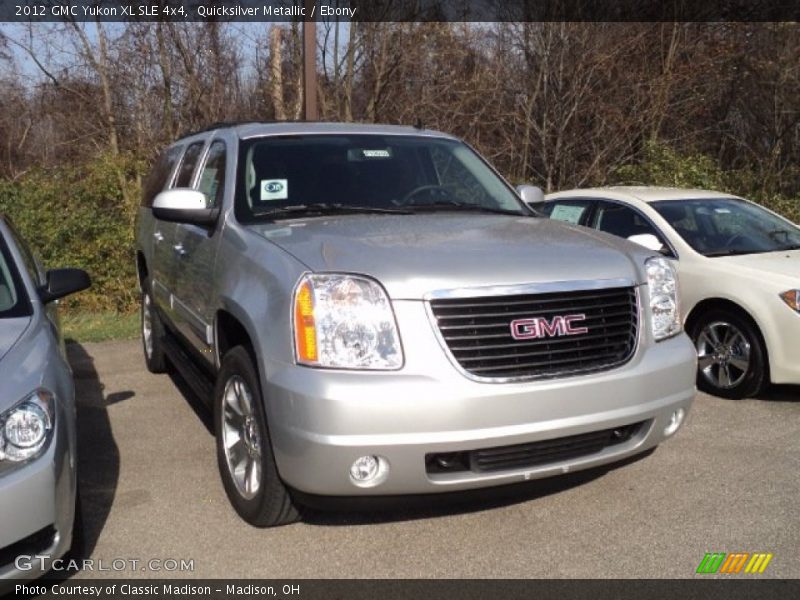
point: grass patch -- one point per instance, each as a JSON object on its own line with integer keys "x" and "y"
{"x": 99, "y": 326}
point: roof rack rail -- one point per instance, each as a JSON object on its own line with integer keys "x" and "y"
{"x": 225, "y": 124}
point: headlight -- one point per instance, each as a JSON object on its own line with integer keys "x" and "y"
{"x": 662, "y": 282}
{"x": 344, "y": 321}
{"x": 25, "y": 429}
{"x": 792, "y": 299}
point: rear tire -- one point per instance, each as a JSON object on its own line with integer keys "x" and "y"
{"x": 732, "y": 360}
{"x": 244, "y": 450}
{"x": 152, "y": 333}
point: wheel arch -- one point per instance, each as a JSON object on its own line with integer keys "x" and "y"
{"x": 232, "y": 329}
{"x": 716, "y": 303}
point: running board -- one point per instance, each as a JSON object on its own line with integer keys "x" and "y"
{"x": 194, "y": 377}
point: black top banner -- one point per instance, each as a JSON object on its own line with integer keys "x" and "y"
{"x": 399, "y": 10}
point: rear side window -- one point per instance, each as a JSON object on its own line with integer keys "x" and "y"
{"x": 186, "y": 169}
{"x": 568, "y": 211}
{"x": 157, "y": 179}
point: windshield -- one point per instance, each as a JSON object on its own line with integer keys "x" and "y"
{"x": 13, "y": 303}
{"x": 727, "y": 226}
{"x": 280, "y": 176}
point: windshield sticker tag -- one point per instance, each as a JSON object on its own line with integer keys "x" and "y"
{"x": 274, "y": 189}
{"x": 362, "y": 154}
{"x": 722, "y": 211}
{"x": 377, "y": 154}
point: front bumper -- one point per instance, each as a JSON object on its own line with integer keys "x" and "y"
{"x": 321, "y": 421}
{"x": 37, "y": 506}
{"x": 781, "y": 328}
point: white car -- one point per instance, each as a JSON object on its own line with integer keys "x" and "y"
{"x": 739, "y": 274}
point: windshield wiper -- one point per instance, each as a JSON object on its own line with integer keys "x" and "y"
{"x": 778, "y": 232}
{"x": 324, "y": 208}
{"x": 460, "y": 206}
{"x": 732, "y": 252}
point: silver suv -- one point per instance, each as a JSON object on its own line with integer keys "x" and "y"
{"x": 373, "y": 310}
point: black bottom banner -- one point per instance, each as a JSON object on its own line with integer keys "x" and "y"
{"x": 383, "y": 589}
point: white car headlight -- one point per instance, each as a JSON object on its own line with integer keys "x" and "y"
{"x": 792, "y": 299}
{"x": 346, "y": 322}
{"x": 662, "y": 282}
{"x": 25, "y": 428}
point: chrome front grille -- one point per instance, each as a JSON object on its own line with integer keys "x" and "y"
{"x": 539, "y": 335}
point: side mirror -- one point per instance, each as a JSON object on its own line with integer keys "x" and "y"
{"x": 63, "y": 282}
{"x": 530, "y": 194}
{"x": 648, "y": 240}
{"x": 184, "y": 206}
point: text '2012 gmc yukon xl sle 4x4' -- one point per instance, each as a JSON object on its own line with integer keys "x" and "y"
{"x": 373, "y": 310}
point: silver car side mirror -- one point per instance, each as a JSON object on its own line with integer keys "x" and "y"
{"x": 184, "y": 206}
{"x": 530, "y": 194}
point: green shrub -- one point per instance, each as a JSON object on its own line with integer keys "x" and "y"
{"x": 78, "y": 217}
{"x": 661, "y": 165}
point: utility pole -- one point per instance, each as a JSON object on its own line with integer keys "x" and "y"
{"x": 310, "y": 63}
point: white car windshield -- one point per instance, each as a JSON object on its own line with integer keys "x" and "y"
{"x": 728, "y": 226}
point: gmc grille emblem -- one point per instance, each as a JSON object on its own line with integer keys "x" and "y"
{"x": 540, "y": 327}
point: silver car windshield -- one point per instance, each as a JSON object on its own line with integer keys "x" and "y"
{"x": 11, "y": 304}
{"x": 728, "y": 226}
{"x": 285, "y": 175}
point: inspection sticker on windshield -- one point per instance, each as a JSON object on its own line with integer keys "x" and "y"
{"x": 377, "y": 154}
{"x": 274, "y": 189}
{"x": 361, "y": 154}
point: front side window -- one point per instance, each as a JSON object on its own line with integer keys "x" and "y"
{"x": 622, "y": 221}
{"x": 212, "y": 177}
{"x": 728, "y": 226}
{"x": 366, "y": 171}
{"x": 190, "y": 158}
{"x": 159, "y": 174}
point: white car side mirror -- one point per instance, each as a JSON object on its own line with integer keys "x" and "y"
{"x": 648, "y": 240}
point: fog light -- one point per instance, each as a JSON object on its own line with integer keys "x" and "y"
{"x": 675, "y": 420}
{"x": 368, "y": 471}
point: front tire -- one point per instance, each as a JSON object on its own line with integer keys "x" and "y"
{"x": 731, "y": 358}
{"x": 244, "y": 451}
{"x": 152, "y": 334}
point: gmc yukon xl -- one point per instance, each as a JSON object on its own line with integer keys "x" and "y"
{"x": 373, "y": 310}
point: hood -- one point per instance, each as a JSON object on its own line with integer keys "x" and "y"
{"x": 10, "y": 332}
{"x": 412, "y": 255}
{"x": 785, "y": 263}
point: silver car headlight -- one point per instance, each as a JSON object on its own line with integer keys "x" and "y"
{"x": 662, "y": 282}
{"x": 346, "y": 322}
{"x": 26, "y": 428}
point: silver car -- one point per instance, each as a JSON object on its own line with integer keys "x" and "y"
{"x": 37, "y": 412}
{"x": 373, "y": 310}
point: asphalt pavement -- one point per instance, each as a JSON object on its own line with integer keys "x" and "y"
{"x": 727, "y": 482}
